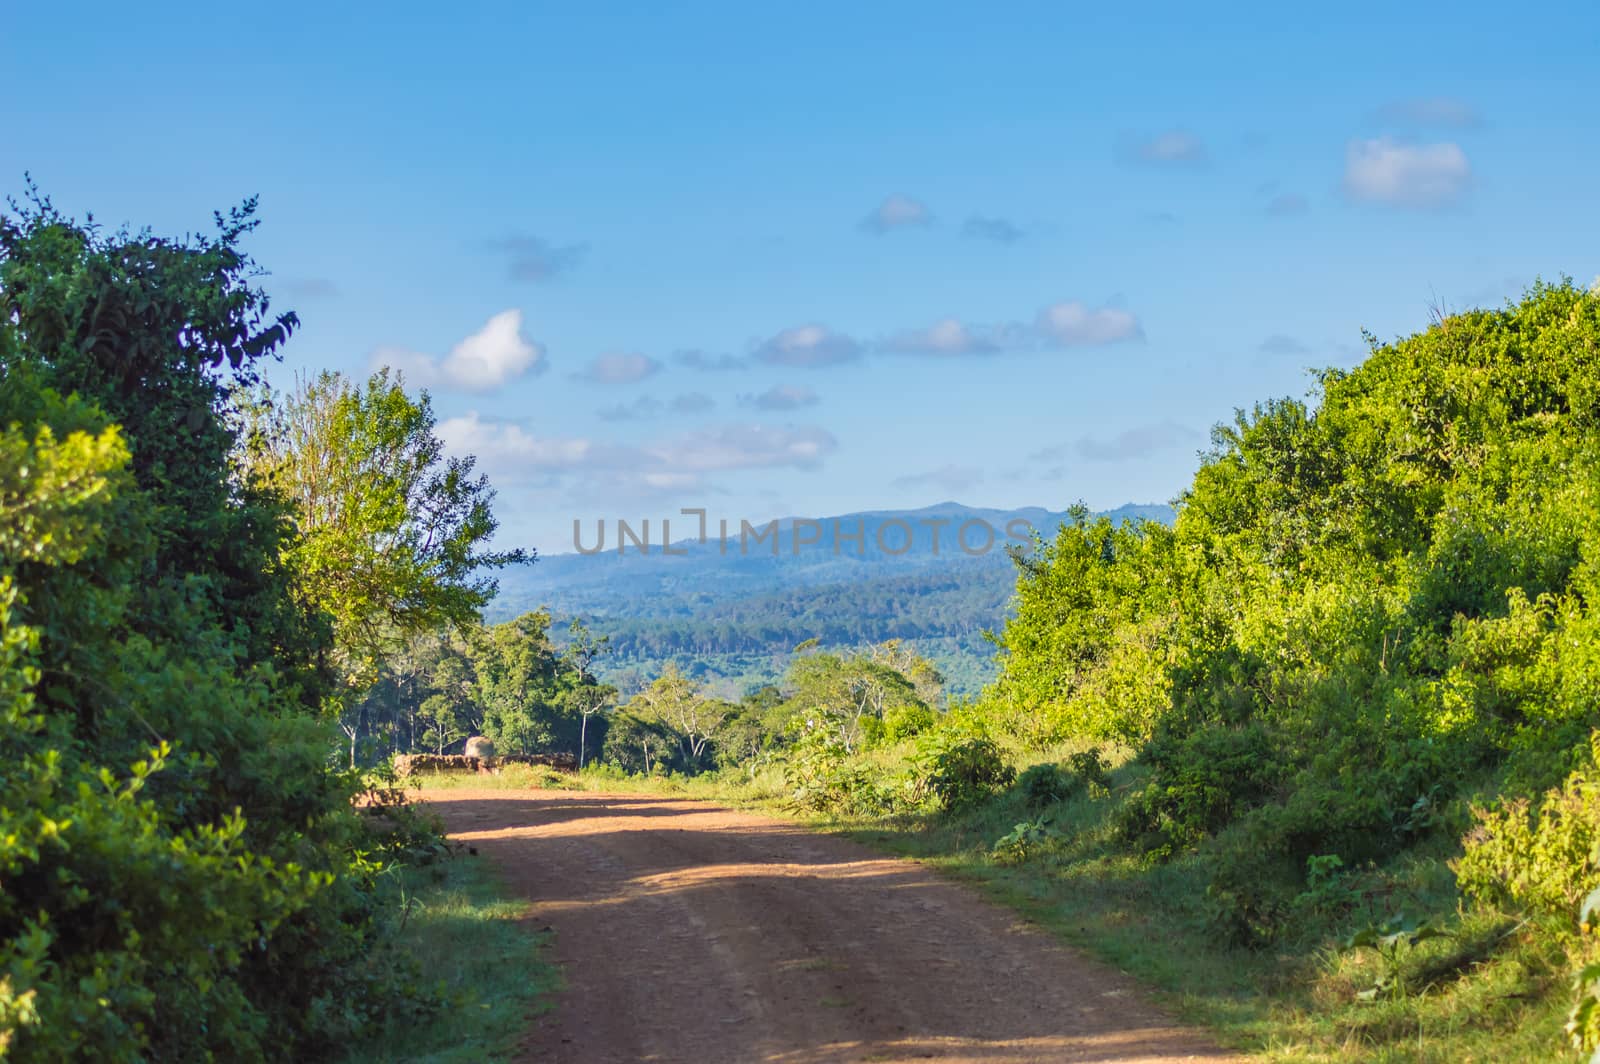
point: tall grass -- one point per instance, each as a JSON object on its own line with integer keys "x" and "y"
{"x": 465, "y": 930}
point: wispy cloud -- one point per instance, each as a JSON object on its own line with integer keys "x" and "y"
{"x": 896, "y": 212}
{"x": 951, "y": 478}
{"x": 782, "y": 397}
{"x": 490, "y": 358}
{"x": 510, "y": 452}
{"x": 1398, "y": 174}
{"x": 808, "y": 345}
{"x": 1174, "y": 148}
{"x": 709, "y": 362}
{"x": 945, "y": 337}
{"x": 731, "y": 447}
{"x": 1447, "y": 111}
{"x": 1136, "y": 442}
{"x": 1282, "y": 344}
{"x": 999, "y": 230}
{"x": 692, "y": 403}
{"x": 531, "y": 258}
{"x": 618, "y": 367}
{"x": 648, "y": 406}
{"x": 1072, "y": 324}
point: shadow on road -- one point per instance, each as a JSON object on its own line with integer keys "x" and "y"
{"x": 693, "y": 933}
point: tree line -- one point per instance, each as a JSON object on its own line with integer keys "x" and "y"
{"x": 198, "y": 578}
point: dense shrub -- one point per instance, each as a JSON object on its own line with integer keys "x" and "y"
{"x": 1538, "y": 859}
{"x": 183, "y": 876}
{"x": 1046, "y": 784}
{"x": 1361, "y": 606}
{"x": 967, "y": 772}
{"x": 906, "y": 720}
{"x": 1092, "y": 770}
{"x": 1202, "y": 779}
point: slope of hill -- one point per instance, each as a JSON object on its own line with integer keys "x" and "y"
{"x": 738, "y": 602}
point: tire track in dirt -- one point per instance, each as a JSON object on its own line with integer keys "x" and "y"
{"x": 693, "y": 934}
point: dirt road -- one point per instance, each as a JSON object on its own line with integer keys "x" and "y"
{"x": 690, "y": 933}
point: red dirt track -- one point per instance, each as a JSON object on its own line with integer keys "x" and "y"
{"x": 695, "y": 934}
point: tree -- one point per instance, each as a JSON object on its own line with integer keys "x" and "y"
{"x": 587, "y": 697}
{"x": 837, "y": 695}
{"x": 518, "y": 683}
{"x": 681, "y": 703}
{"x": 393, "y": 533}
{"x": 183, "y": 877}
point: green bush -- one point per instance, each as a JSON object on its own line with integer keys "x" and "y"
{"x": 1202, "y": 780}
{"x": 966, "y": 773}
{"x": 1046, "y": 784}
{"x": 906, "y": 720}
{"x": 1022, "y": 843}
{"x": 1537, "y": 859}
{"x": 1092, "y": 770}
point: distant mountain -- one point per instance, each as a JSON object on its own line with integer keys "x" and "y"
{"x": 730, "y": 608}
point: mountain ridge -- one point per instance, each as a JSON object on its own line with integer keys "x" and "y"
{"x": 738, "y": 612}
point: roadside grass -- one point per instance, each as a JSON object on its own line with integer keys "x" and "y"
{"x": 1495, "y": 991}
{"x": 465, "y": 930}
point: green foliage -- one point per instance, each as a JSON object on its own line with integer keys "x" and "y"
{"x": 392, "y": 532}
{"x": 1092, "y": 770}
{"x": 1046, "y": 784}
{"x": 1201, "y": 780}
{"x": 1022, "y": 842}
{"x": 184, "y": 877}
{"x": 1583, "y": 1021}
{"x": 966, "y": 772}
{"x": 907, "y": 720}
{"x": 1361, "y": 607}
{"x": 1542, "y": 859}
{"x": 1392, "y": 941}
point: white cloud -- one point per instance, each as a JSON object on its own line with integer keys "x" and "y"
{"x": 730, "y": 447}
{"x": 782, "y": 397}
{"x": 643, "y": 407}
{"x": 618, "y": 367}
{"x": 505, "y": 447}
{"x": 1398, "y": 174}
{"x": 945, "y": 337}
{"x": 1071, "y": 324}
{"x": 490, "y": 358}
{"x": 509, "y": 452}
{"x": 896, "y": 212}
{"x": 1175, "y": 147}
{"x": 808, "y": 345}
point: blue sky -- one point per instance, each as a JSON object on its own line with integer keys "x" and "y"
{"x": 832, "y": 257}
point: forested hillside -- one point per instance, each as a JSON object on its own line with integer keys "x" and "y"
{"x": 730, "y": 615}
